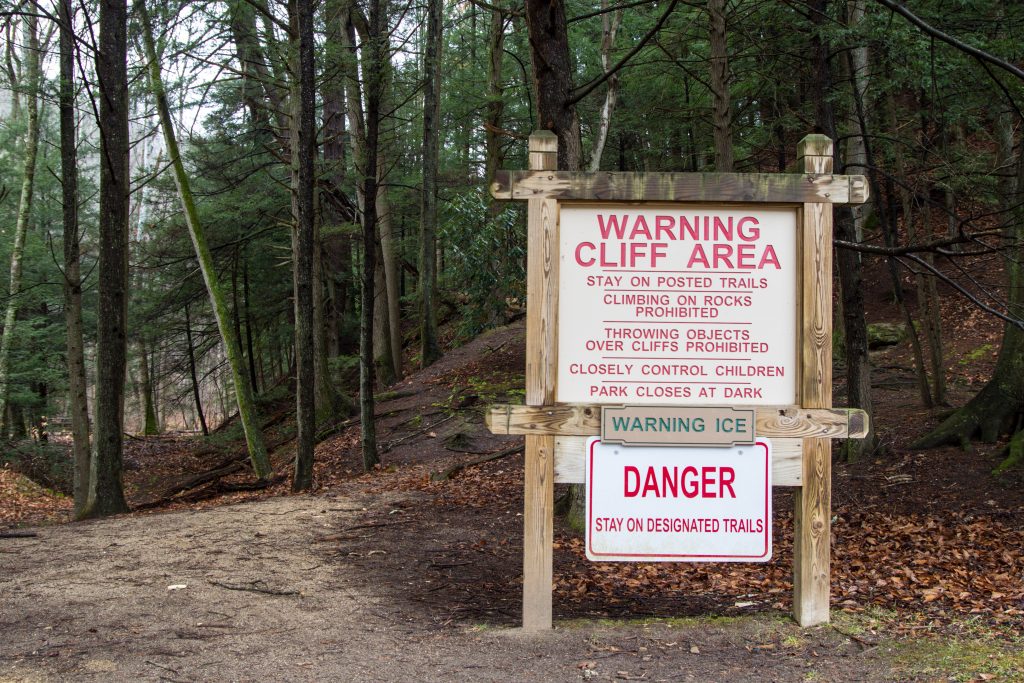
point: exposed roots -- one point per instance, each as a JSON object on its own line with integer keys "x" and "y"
{"x": 988, "y": 415}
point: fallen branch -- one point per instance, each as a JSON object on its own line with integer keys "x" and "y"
{"x": 447, "y": 474}
{"x": 18, "y": 534}
{"x": 388, "y": 446}
{"x": 328, "y": 432}
{"x": 253, "y": 587}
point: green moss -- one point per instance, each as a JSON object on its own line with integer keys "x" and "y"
{"x": 961, "y": 658}
{"x": 670, "y": 622}
{"x": 977, "y": 354}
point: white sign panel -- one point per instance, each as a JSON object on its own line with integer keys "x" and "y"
{"x": 677, "y": 304}
{"x": 656, "y": 504}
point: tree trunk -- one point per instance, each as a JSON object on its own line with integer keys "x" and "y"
{"x": 149, "y": 427}
{"x": 383, "y": 356}
{"x": 925, "y": 290}
{"x": 390, "y": 353}
{"x": 243, "y": 391}
{"x": 32, "y": 85}
{"x": 78, "y": 402}
{"x": 495, "y": 101}
{"x": 721, "y": 114}
{"x": 195, "y": 375}
{"x": 609, "y": 26}
{"x": 303, "y": 242}
{"x": 106, "y": 492}
{"x": 372, "y": 69}
{"x": 552, "y": 71}
{"x": 999, "y": 407}
{"x": 250, "y": 347}
{"x": 858, "y": 365}
{"x": 335, "y": 208}
{"x": 856, "y": 158}
{"x": 429, "y": 349}
{"x": 259, "y": 89}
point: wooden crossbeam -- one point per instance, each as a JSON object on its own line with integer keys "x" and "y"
{"x": 585, "y": 420}
{"x": 765, "y": 188}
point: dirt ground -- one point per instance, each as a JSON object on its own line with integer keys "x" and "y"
{"x": 394, "y": 577}
{"x": 294, "y": 589}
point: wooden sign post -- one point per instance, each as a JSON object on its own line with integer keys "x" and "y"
{"x": 717, "y": 292}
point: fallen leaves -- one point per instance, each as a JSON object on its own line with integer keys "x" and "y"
{"x": 942, "y": 565}
{"x": 24, "y": 502}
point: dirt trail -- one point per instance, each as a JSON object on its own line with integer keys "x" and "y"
{"x": 268, "y": 595}
{"x": 391, "y": 577}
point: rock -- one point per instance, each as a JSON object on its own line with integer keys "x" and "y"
{"x": 885, "y": 334}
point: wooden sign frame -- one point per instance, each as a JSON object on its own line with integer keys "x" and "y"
{"x": 801, "y": 434}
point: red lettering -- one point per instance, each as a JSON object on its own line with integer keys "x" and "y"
{"x": 658, "y": 251}
{"x": 614, "y": 223}
{"x": 650, "y": 483}
{"x": 745, "y": 256}
{"x": 640, "y": 228}
{"x": 728, "y": 476}
{"x": 754, "y": 233}
{"x": 690, "y": 487}
{"x": 723, "y": 254}
{"x": 707, "y": 481}
{"x": 664, "y": 224}
{"x": 770, "y": 257}
{"x": 579, "y": 251}
{"x": 630, "y": 492}
{"x": 697, "y": 256}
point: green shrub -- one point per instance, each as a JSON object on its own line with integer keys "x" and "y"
{"x": 485, "y": 260}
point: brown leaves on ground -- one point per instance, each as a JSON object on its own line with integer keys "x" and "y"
{"x": 23, "y": 501}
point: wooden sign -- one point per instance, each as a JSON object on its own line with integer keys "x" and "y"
{"x": 689, "y": 303}
{"x": 680, "y": 289}
{"x": 677, "y": 426}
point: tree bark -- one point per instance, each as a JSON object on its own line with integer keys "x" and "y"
{"x": 552, "y": 70}
{"x": 856, "y": 158}
{"x": 259, "y": 86}
{"x": 609, "y": 27}
{"x": 430, "y": 351}
{"x": 78, "y": 402}
{"x": 721, "y": 114}
{"x": 149, "y": 426}
{"x": 858, "y": 366}
{"x": 32, "y": 85}
{"x": 495, "y": 101}
{"x": 372, "y": 69}
{"x": 303, "y": 242}
{"x": 195, "y": 376}
{"x": 389, "y": 352}
{"x": 243, "y": 391}
{"x": 249, "y": 345}
{"x": 106, "y": 492}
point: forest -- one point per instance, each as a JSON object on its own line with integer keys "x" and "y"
{"x": 242, "y": 229}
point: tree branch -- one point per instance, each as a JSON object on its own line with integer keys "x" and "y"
{"x": 606, "y": 10}
{"x": 589, "y": 87}
{"x": 946, "y": 38}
